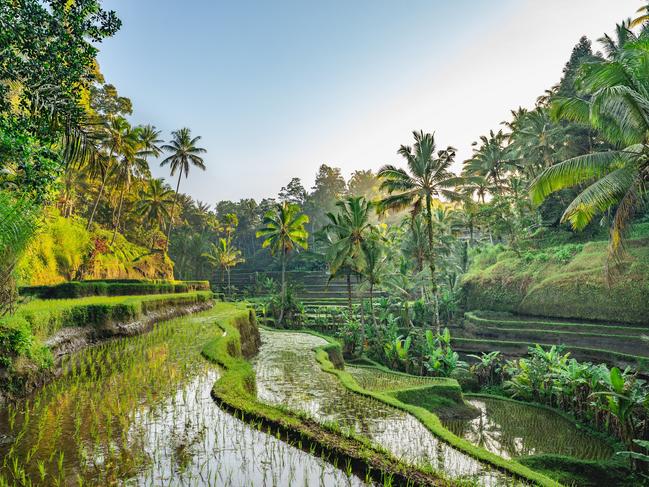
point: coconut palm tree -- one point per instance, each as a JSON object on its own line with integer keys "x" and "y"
{"x": 375, "y": 267}
{"x": 183, "y": 154}
{"x": 150, "y": 141}
{"x": 623, "y": 34}
{"x": 618, "y": 107}
{"x": 346, "y": 232}
{"x": 224, "y": 256}
{"x": 131, "y": 165}
{"x": 430, "y": 177}
{"x": 491, "y": 160}
{"x": 155, "y": 203}
{"x": 101, "y": 163}
{"x": 283, "y": 231}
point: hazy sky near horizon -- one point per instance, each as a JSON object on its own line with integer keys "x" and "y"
{"x": 276, "y": 88}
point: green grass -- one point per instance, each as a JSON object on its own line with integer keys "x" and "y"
{"x": 560, "y": 284}
{"x": 63, "y": 247}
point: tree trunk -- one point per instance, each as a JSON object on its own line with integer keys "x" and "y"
{"x": 227, "y": 269}
{"x": 349, "y": 294}
{"x": 94, "y": 208}
{"x": 372, "y": 304}
{"x": 283, "y": 301}
{"x": 173, "y": 208}
{"x": 119, "y": 215}
{"x": 431, "y": 256}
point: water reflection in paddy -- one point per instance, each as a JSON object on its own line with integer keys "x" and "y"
{"x": 512, "y": 429}
{"x": 138, "y": 411}
{"x": 288, "y": 374}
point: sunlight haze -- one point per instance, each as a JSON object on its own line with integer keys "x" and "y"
{"x": 275, "y": 91}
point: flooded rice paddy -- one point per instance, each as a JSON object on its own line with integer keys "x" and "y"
{"x": 511, "y": 429}
{"x": 288, "y": 374}
{"x": 138, "y": 411}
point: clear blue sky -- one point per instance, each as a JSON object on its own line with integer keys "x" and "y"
{"x": 276, "y": 88}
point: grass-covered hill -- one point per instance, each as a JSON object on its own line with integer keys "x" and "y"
{"x": 563, "y": 281}
{"x": 64, "y": 250}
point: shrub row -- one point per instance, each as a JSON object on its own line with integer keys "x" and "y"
{"x": 23, "y": 332}
{"x": 123, "y": 287}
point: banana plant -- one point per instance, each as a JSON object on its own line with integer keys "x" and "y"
{"x": 397, "y": 352}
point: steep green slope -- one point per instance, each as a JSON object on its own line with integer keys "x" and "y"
{"x": 567, "y": 281}
{"x": 64, "y": 250}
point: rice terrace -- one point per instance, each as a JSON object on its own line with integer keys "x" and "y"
{"x": 402, "y": 243}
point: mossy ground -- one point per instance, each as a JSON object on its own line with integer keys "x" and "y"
{"x": 563, "y": 282}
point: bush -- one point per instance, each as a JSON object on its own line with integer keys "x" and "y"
{"x": 80, "y": 289}
{"x": 21, "y": 333}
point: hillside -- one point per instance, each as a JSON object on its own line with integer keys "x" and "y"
{"x": 566, "y": 281}
{"x": 64, "y": 250}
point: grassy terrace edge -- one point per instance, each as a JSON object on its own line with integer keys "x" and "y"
{"x": 427, "y": 418}
{"x": 507, "y": 324}
{"x": 235, "y": 391}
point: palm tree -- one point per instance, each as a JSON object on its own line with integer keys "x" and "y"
{"x": 155, "y": 202}
{"x": 131, "y": 164}
{"x": 623, "y": 33}
{"x": 184, "y": 153}
{"x": 102, "y": 163}
{"x": 347, "y": 230}
{"x": 150, "y": 141}
{"x": 618, "y": 107}
{"x": 283, "y": 231}
{"x": 429, "y": 177}
{"x": 491, "y": 160}
{"x": 642, "y": 18}
{"x": 224, "y": 256}
{"x": 374, "y": 270}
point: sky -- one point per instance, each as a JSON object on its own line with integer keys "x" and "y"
{"x": 277, "y": 88}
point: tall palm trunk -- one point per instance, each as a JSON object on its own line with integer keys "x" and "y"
{"x": 283, "y": 301}
{"x": 104, "y": 179}
{"x": 173, "y": 208}
{"x": 372, "y": 303}
{"x": 431, "y": 259}
{"x": 349, "y": 294}
{"x": 119, "y": 215}
{"x": 227, "y": 270}
{"x": 94, "y": 208}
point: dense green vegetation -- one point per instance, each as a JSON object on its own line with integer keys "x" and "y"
{"x": 523, "y": 275}
{"x": 25, "y": 350}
